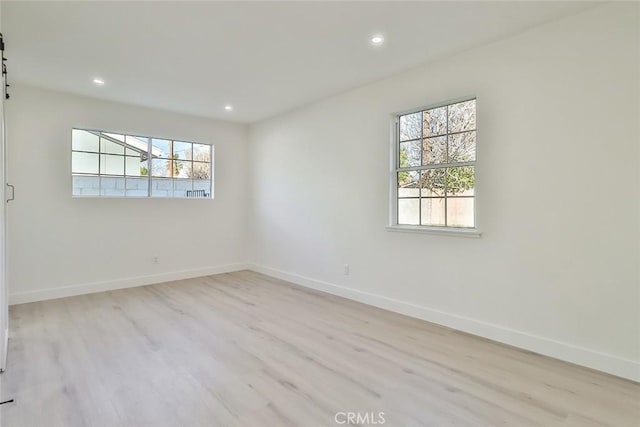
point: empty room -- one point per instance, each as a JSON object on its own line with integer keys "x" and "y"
{"x": 320, "y": 213}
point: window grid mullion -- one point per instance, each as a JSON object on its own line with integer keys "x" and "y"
{"x": 420, "y": 172}
{"x": 150, "y": 166}
{"x": 441, "y": 135}
{"x": 436, "y": 166}
{"x": 446, "y": 188}
{"x": 99, "y": 166}
{"x": 210, "y": 171}
{"x": 397, "y": 167}
{"x": 193, "y": 155}
{"x": 172, "y": 169}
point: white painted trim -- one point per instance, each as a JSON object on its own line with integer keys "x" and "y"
{"x": 89, "y": 288}
{"x": 441, "y": 231}
{"x": 593, "y": 359}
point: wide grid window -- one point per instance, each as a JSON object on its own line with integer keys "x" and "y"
{"x": 117, "y": 165}
{"x": 435, "y": 176}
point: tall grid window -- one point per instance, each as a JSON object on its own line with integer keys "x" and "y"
{"x": 435, "y": 166}
{"x": 117, "y": 165}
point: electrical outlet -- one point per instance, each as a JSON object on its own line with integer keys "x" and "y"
{"x": 346, "y": 269}
{"x": 156, "y": 259}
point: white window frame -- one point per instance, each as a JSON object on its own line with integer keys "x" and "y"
{"x": 394, "y": 156}
{"x": 150, "y": 176}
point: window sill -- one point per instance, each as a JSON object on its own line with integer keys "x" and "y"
{"x": 139, "y": 197}
{"x": 442, "y": 231}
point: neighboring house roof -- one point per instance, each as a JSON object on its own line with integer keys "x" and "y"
{"x": 131, "y": 142}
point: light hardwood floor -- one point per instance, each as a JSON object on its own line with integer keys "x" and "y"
{"x": 243, "y": 349}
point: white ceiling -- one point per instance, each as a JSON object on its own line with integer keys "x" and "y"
{"x": 263, "y": 57}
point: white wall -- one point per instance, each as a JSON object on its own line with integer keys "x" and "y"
{"x": 4, "y": 291}
{"x": 556, "y": 270}
{"x": 56, "y": 242}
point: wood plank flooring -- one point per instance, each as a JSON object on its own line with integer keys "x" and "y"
{"x": 244, "y": 349}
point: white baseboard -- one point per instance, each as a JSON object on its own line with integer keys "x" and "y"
{"x": 608, "y": 363}
{"x": 89, "y": 288}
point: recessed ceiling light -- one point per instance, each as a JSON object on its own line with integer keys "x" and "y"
{"x": 98, "y": 81}
{"x": 377, "y": 40}
{"x": 228, "y": 107}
